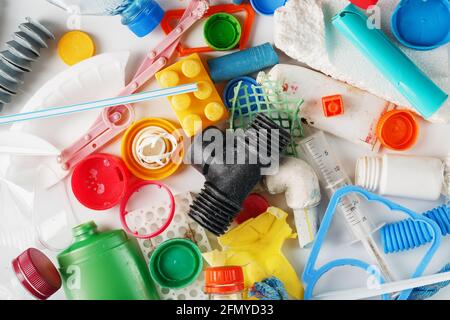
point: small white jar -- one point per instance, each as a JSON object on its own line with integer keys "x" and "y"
{"x": 401, "y": 176}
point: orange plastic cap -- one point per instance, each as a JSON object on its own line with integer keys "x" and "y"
{"x": 398, "y": 130}
{"x": 224, "y": 280}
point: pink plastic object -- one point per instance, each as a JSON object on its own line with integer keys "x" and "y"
{"x": 124, "y": 212}
{"x": 102, "y": 181}
{"x": 364, "y": 4}
{"x": 115, "y": 120}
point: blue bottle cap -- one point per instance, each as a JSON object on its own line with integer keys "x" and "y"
{"x": 147, "y": 20}
{"x": 245, "y": 90}
{"x": 267, "y": 7}
{"x": 422, "y": 25}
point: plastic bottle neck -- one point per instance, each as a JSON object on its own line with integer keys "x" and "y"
{"x": 368, "y": 172}
{"x": 84, "y": 231}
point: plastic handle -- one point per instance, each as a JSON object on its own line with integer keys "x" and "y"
{"x": 410, "y": 81}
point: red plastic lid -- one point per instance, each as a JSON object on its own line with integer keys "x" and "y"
{"x": 100, "y": 181}
{"x": 364, "y": 4}
{"x": 254, "y": 205}
{"x": 37, "y": 273}
{"x": 398, "y": 130}
{"x": 224, "y": 280}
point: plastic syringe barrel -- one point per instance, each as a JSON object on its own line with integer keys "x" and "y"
{"x": 423, "y": 94}
{"x": 242, "y": 63}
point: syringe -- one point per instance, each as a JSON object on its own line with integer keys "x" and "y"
{"x": 332, "y": 177}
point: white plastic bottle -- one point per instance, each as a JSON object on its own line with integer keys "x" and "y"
{"x": 401, "y": 176}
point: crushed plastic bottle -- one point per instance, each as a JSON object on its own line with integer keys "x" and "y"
{"x": 141, "y": 16}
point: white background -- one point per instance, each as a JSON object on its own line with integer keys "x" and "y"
{"x": 110, "y": 36}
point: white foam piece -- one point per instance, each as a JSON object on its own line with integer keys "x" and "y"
{"x": 303, "y": 30}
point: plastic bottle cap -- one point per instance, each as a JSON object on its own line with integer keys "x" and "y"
{"x": 267, "y": 7}
{"x": 422, "y": 25}
{"x": 254, "y": 205}
{"x": 398, "y": 130}
{"x": 169, "y": 78}
{"x": 364, "y": 4}
{"x": 37, "y": 273}
{"x": 222, "y": 31}
{"x": 181, "y": 102}
{"x": 147, "y": 20}
{"x": 204, "y": 91}
{"x": 176, "y": 263}
{"x": 191, "y": 68}
{"x": 246, "y": 89}
{"x": 100, "y": 181}
{"x": 214, "y": 111}
{"x": 224, "y": 280}
{"x": 75, "y": 46}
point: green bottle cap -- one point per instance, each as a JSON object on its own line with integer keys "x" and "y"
{"x": 222, "y": 31}
{"x": 176, "y": 263}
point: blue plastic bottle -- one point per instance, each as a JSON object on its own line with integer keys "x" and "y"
{"x": 141, "y": 16}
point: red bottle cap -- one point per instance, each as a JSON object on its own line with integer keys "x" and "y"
{"x": 253, "y": 206}
{"x": 224, "y": 280}
{"x": 37, "y": 273}
{"x": 364, "y": 4}
{"x": 398, "y": 130}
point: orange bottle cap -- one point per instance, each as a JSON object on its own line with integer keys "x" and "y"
{"x": 224, "y": 280}
{"x": 398, "y": 130}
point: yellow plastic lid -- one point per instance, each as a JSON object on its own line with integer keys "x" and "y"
{"x": 75, "y": 46}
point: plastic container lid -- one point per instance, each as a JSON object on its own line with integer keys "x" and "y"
{"x": 176, "y": 263}
{"x": 422, "y": 25}
{"x": 222, "y": 31}
{"x": 224, "y": 280}
{"x": 398, "y": 130}
{"x": 267, "y": 7}
{"x": 147, "y": 20}
{"x": 364, "y": 4}
{"x": 37, "y": 273}
{"x": 254, "y": 205}
{"x": 100, "y": 181}
{"x": 75, "y": 46}
{"x": 244, "y": 91}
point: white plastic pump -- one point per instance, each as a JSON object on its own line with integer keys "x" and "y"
{"x": 300, "y": 184}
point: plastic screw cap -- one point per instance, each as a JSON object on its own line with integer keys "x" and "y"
{"x": 364, "y": 4}
{"x": 254, "y": 205}
{"x": 37, "y": 273}
{"x": 222, "y": 31}
{"x": 247, "y": 88}
{"x": 75, "y": 46}
{"x": 267, "y": 7}
{"x": 398, "y": 130}
{"x": 224, "y": 280}
{"x": 176, "y": 263}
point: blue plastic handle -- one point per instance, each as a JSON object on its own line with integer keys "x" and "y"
{"x": 311, "y": 275}
{"x": 410, "y": 81}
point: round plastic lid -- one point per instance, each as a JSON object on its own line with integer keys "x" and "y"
{"x": 398, "y": 130}
{"x": 37, "y": 273}
{"x": 75, "y": 46}
{"x": 222, "y": 31}
{"x": 254, "y": 205}
{"x": 422, "y": 25}
{"x": 267, "y": 7}
{"x": 147, "y": 20}
{"x": 176, "y": 263}
{"x": 100, "y": 181}
{"x": 224, "y": 280}
{"x": 245, "y": 89}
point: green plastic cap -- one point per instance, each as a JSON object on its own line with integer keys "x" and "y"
{"x": 176, "y": 263}
{"x": 222, "y": 31}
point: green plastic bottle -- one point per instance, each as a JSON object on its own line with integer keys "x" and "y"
{"x": 104, "y": 266}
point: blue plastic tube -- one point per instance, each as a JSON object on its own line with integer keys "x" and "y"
{"x": 242, "y": 63}
{"x": 423, "y": 94}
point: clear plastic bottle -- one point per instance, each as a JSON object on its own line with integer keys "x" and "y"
{"x": 141, "y": 16}
{"x": 31, "y": 276}
{"x": 224, "y": 283}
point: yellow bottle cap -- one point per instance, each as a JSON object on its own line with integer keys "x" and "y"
{"x": 169, "y": 78}
{"x": 214, "y": 111}
{"x": 181, "y": 102}
{"x": 75, "y": 46}
{"x": 191, "y": 68}
{"x": 205, "y": 90}
{"x": 191, "y": 124}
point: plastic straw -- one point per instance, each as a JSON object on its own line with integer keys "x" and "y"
{"x": 122, "y": 100}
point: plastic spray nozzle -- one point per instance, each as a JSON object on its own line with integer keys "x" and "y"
{"x": 233, "y": 165}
